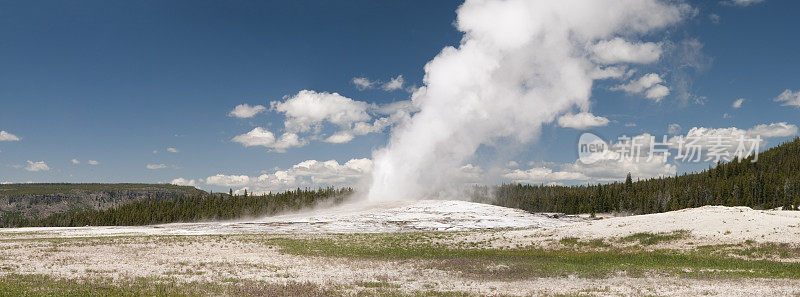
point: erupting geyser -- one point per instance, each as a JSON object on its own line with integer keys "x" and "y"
{"x": 520, "y": 64}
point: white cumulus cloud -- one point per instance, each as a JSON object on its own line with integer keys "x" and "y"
{"x": 5, "y": 136}
{"x": 37, "y": 166}
{"x": 781, "y": 129}
{"x": 582, "y": 121}
{"x": 244, "y": 111}
{"x": 93, "y": 162}
{"x": 309, "y": 173}
{"x": 263, "y": 137}
{"x": 728, "y": 138}
{"x": 542, "y": 175}
{"x": 610, "y": 166}
{"x": 649, "y": 84}
{"x": 172, "y": 150}
{"x": 307, "y": 109}
{"x": 618, "y": 50}
{"x": 75, "y": 161}
{"x": 256, "y": 137}
{"x": 228, "y": 180}
{"x": 184, "y": 182}
{"x": 156, "y": 166}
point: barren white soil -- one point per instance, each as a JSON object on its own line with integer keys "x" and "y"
{"x": 397, "y": 216}
{"x": 142, "y": 251}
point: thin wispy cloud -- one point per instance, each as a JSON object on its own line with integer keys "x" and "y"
{"x": 156, "y": 166}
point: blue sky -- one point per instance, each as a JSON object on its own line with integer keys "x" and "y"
{"x": 120, "y": 82}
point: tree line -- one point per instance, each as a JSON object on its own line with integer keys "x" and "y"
{"x": 773, "y": 181}
{"x": 189, "y": 208}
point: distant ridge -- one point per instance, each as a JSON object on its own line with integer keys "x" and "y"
{"x": 38, "y": 200}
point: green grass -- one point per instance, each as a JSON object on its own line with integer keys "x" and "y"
{"x": 537, "y": 262}
{"x": 573, "y": 257}
{"x": 653, "y": 238}
{"x": 34, "y": 285}
{"x": 575, "y": 242}
{"x": 41, "y": 285}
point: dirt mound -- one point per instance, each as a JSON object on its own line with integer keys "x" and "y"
{"x": 721, "y": 223}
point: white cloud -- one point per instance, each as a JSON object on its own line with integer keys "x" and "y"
{"x": 609, "y": 166}
{"x": 742, "y": 3}
{"x": 657, "y": 93}
{"x": 5, "y": 136}
{"x": 287, "y": 141}
{"x": 582, "y": 121}
{"x": 75, "y": 161}
{"x": 244, "y": 111}
{"x": 308, "y": 108}
{"x": 738, "y": 103}
{"x": 789, "y": 98}
{"x": 618, "y": 50}
{"x": 340, "y": 137}
{"x": 393, "y": 84}
{"x": 308, "y": 111}
{"x": 93, "y": 162}
{"x": 156, "y": 166}
{"x": 172, "y": 150}
{"x": 649, "y": 84}
{"x": 363, "y": 83}
{"x": 781, "y": 129}
{"x": 639, "y": 85}
{"x": 541, "y": 175}
{"x": 309, "y": 173}
{"x": 613, "y": 167}
{"x": 615, "y": 170}
{"x": 387, "y": 115}
{"x": 729, "y": 137}
{"x": 37, "y": 166}
{"x": 228, "y": 180}
{"x": 262, "y": 137}
{"x": 674, "y": 129}
{"x": 256, "y": 137}
{"x": 184, "y": 182}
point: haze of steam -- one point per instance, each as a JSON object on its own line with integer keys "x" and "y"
{"x": 519, "y": 65}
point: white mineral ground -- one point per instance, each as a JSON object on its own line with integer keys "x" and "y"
{"x": 137, "y": 253}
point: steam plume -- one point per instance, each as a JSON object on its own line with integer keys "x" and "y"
{"x": 520, "y": 64}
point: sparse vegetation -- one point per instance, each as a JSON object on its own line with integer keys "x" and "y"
{"x": 33, "y": 285}
{"x": 569, "y": 257}
{"x": 539, "y": 262}
{"x": 652, "y": 239}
